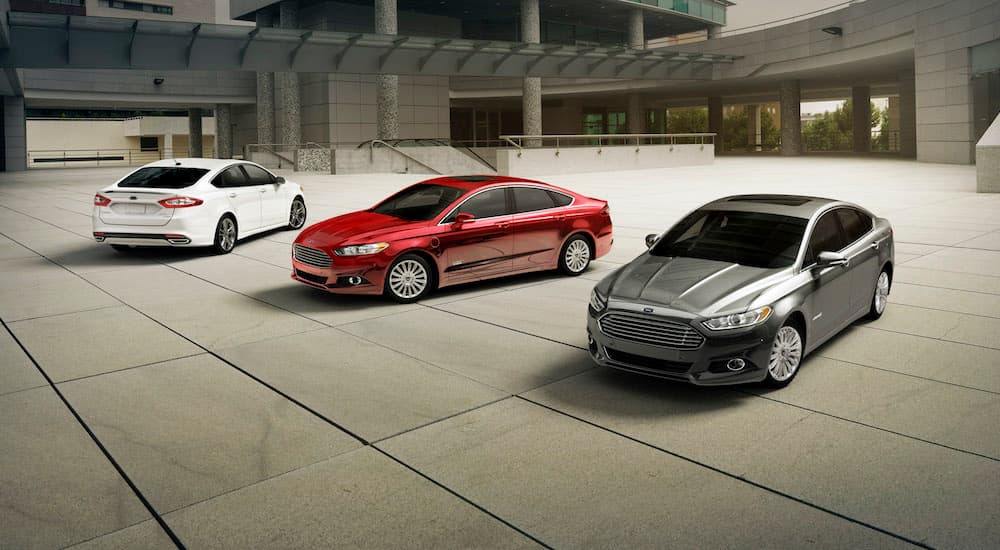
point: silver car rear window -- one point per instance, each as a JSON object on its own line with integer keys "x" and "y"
{"x": 163, "y": 177}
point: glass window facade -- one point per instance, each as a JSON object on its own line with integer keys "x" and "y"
{"x": 706, "y": 9}
{"x": 136, "y": 6}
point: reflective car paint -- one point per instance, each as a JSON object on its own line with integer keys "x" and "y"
{"x": 478, "y": 249}
{"x": 689, "y": 291}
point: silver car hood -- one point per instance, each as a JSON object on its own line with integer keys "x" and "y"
{"x": 700, "y": 287}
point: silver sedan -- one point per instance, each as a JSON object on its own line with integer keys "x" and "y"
{"x": 742, "y": 289}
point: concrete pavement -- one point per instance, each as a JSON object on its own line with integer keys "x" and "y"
{"x": 166, "y": 398}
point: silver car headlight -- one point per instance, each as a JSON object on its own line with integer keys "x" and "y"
{"x": 361, "y": 249}
{"x": 739, "y": 320}
{"x": 597, "y": 302}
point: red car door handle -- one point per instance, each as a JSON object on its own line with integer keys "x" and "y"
{"x": 503, "y": 225}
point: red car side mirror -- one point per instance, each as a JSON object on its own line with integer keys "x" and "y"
{"x": 463, "y": 217}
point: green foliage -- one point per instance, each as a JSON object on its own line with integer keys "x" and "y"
{"x": 687, "y": 121}
{"x": 735, "y": 134}
{"x": 833, "y": 131}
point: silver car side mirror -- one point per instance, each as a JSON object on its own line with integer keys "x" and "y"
{"x": 828, "y": 259}
{"x": 651, "y": 240}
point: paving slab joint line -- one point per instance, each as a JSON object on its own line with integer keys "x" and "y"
{"x": 192, "y": 342}
{"x": 462, "y": 498}
{"x": 871, "y": 426}
{"x": 734, "y": 476}
{"x": 907, "y": 374}
{"x": 121, "y": 472}
{"x": 435, "y": 308}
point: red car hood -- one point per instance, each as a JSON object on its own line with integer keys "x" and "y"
{"x": 354, "y": 228}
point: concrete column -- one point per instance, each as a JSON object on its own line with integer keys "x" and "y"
{"x": 753, "y": 127}
{"x": 168, "y": 146}
{"x": 194, "y": 133}
{"x": 714, "y": 31}
{"x": 861, "y": 114}
{"x": 387, "y": 85}
{"x": 15, "y": 140}
{"x": 531, "y": 101}
{"x": 224, "y": 131}
{"x": 715, "y": 121}
{"x": 907, "y": 116}
{"x": 636, "y": 116}
{"x": 791, "y": 118}
{"x": 287, "y": 84}
{"x": 636, "y": 31}
{"x": 265, "y": 91}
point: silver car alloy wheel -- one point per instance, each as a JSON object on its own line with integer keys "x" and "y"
{"x": 227, "y": 234}
{"x": 577, "y": 255}
{"x": 786, "y": 353}
{"x": 881, "y": 292}
{"x": 298, "y": 215}
{"x": 408, "y": 279}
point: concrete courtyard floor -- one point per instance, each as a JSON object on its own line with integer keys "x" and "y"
{"x": 172, "y": 397}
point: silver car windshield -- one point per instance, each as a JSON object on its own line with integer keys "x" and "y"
{"x": 747, "y": 238}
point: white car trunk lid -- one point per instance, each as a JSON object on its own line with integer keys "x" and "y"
{"x": 136, "y": 207}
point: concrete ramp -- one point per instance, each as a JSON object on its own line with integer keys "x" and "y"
{"x": 438, "y": 159}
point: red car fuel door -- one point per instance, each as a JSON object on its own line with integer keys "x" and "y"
{"x": 477, "y": 249}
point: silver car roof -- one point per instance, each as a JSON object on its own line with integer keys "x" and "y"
{"x": 799, "y": 206}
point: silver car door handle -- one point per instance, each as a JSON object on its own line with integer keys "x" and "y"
{"x": 263, "y": 190}
{"x": 232, "y": 195}
{"x": 875, "y": 245}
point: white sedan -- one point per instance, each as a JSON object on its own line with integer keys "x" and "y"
{"x": 195, "y": 202}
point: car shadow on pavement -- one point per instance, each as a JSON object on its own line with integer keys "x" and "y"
{"x": 637, "y": 396}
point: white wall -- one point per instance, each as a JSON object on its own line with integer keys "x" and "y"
{"x": 549, "y": 160}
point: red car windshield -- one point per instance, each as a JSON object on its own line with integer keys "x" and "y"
{"x": 421, "y": 202}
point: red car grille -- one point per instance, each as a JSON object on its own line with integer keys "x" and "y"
{"x": 311, "y": 256}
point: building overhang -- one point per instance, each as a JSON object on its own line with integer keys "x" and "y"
{"x": 47, "y": 41}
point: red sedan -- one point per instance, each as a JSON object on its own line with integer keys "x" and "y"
{"x": 452, "y": 230}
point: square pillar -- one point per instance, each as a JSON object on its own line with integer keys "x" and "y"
{"x": 715, "y": 117}
{"x": 15, "y": 135}
{"x": 287, "y": 84}
{"x": 861, "y": 115}
{"x": 265, "y": 91}
{"x": 194, "y": 133}
{"x": 753, "y": 128}
{"x": 791, "y": 118}
{"x": 387, "y": 85}
{"x": 636, "y": 30}
{"x": 907, "y": 115}
{"x": 531, "y": 100}
{"x": 224, "y": 131}
{"x": 635, "y": 118}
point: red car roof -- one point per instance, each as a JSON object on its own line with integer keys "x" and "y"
{"x": 471, "y": 183}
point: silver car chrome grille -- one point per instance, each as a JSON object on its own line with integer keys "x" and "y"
{"x": 650, "y": 330}
{"x": 311, "y": 256}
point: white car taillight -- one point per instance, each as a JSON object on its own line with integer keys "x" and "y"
{"x": 179, "y": 202}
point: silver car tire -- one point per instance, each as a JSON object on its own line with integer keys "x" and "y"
{"x": 786, "y": 356}
{"x": 880, "y": 297}
{"x": 575, "y": 256}
{"x": 408, "y": 279}
{"x": 297, "y": 214}
{"x": 225, "y": 235}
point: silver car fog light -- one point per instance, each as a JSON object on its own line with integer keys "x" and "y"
{"x": 736, "y": 364}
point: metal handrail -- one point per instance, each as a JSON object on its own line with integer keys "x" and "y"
{"x": 371, "y": 154}
{"x": 559, "y": 138}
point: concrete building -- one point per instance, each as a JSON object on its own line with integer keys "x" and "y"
{"x": 936, "y": 60}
